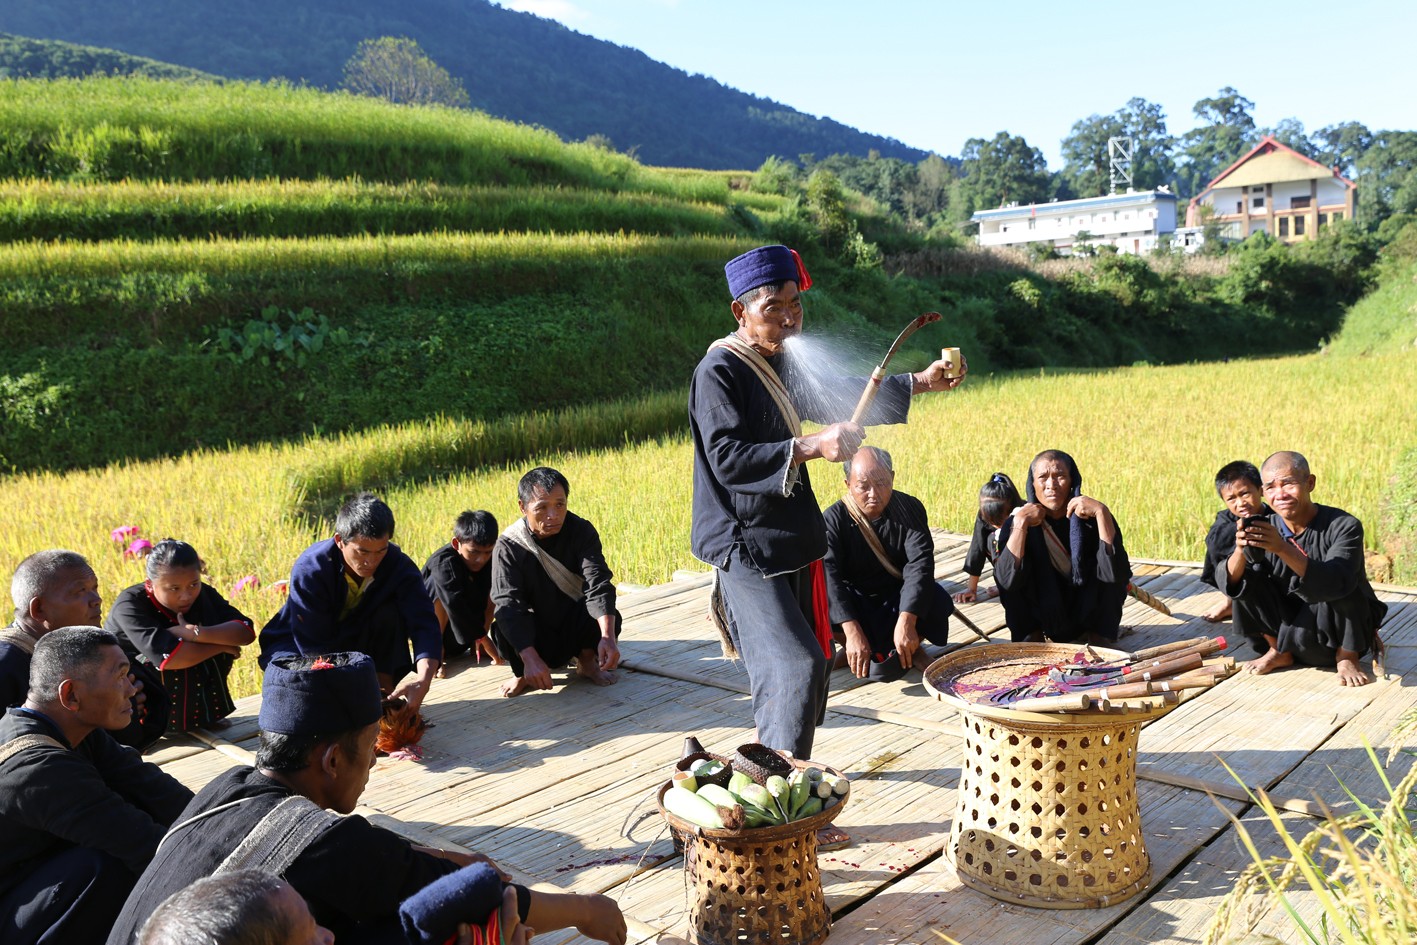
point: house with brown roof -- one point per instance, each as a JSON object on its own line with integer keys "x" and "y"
{"x": 1276, "y": 190}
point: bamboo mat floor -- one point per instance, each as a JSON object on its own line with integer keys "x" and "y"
{"x": 558, "y": 786}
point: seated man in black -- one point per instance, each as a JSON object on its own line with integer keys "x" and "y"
{"x": 1238, "y": 485}
{"x": 459, "y": 580}
{"x": 1061, "y": 566}
{"x": 319, "y": 721}
{"x": 1298, "y": 582}
{"x": 359, "y": 591}
{"x": 55, "y": 589}
{"x": 552, "y": 590}
{"x": 80, "y": 814}
{"x": 880, "y": 571}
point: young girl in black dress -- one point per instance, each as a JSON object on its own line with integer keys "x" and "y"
{"x": 183, "y": 628}
{"x": 997, "y": 498}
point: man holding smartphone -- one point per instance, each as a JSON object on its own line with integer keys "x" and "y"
{"x": 1304, "y": 598}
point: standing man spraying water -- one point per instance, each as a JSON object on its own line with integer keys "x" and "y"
{"x": 755, "y": 518}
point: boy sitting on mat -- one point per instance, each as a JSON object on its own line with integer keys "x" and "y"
{"x": 1238, "y": 485}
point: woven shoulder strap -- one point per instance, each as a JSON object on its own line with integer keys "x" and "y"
{"x": 776, "y": 389}
{"x": 872, "y": 539}
{"x": 12, "y": 748}
{"x": 280, "y": 837}
{"x": 16, "y": 637}
{"x": 567, "y": 581}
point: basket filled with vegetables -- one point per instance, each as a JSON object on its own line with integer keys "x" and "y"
{"x": 751, "y": 851}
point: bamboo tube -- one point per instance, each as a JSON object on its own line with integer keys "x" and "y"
{"x": 1160, "y": 669}
{"x": 868, "y": 396}
{"x": 1154, "y": 651}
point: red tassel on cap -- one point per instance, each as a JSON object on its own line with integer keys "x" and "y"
{"x": 804, "y": 281}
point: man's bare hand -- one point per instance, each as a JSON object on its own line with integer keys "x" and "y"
{"x": 858, "y": 649}
{"x": 836, "y": 443}
{"x": 937, "y": 377}
{"x": 535, "y": 673}
{"x": 907, "y": 640}
{"x": 1261, "y": 535}
{"x": 607, "y": 653}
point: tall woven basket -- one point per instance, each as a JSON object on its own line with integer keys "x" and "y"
{"x": 1048, "y": 813}
{"x": 757, "y": 886}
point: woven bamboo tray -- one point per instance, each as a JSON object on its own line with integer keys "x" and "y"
{"x": 1048, "y": 813}
{"x": 957, "y": 678}
{"x": 758, "y": 885}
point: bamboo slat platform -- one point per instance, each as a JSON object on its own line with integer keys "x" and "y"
{"x": 557, "y": 786}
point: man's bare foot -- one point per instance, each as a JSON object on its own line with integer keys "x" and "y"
{"x": 1271, "y": 661}
{"x": 590, "y": 670}
{"x": 515, "y": 686}
{"x": 1351, "y": 674}
{"x": 1218, "y": 613}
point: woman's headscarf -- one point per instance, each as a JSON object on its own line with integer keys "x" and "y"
{"x": 1075, "y": 541}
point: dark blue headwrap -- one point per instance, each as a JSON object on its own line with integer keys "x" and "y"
{"x": 338, "y": 693}
{"x": 1075, "y": 526}
{"x": 432, "y": 914}
{"x": 766, "y": 265}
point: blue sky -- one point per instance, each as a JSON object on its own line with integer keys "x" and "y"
{"x": 935, "y": 74}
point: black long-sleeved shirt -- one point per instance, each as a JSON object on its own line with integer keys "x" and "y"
{"x": 462, "y": 592}
{"x": 96, "y": 794}
{"x": 904, "y": 531}
{"x": 746, "y": 489}
{"x": 524, "y": 593}
{"x": 353, "y": 875}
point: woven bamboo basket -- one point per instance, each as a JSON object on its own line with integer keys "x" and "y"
{"x": 759, "y": 885}
{"x": 1048, "y": 812}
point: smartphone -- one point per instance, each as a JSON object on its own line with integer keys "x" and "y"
{"x": 1252, "y": 553}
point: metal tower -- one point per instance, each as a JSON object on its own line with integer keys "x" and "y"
{"x": 1119, "y": 160}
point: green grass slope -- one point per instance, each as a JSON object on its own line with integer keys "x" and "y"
{"x": 187, "y": 265}
{"x": 24, "y": 58}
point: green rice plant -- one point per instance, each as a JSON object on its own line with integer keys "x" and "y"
{"x": 144, "y": 210}
{"x": 1361, "y": 868}
{"x": 112, "y": 128}
{"x": 165, "y": 289}
{"x": 1147, "y": 440}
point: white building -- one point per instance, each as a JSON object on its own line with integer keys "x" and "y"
{"x": 1133, "y": 222}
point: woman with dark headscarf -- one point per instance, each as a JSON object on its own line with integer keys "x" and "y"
{"x": 1061, "y": 561}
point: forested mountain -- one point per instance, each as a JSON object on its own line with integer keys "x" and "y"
{"x": 22, "y": 58}
{"x": 514, "y": 65}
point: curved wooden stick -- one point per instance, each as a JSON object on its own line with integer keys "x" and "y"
{"x": 873, "y": 386}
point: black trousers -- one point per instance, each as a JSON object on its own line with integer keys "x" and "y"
{"x": 557, "y": 643}
{"x": 72, "y": 898}
{"x": 1313, "y": 633}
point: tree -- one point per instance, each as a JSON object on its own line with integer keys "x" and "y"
{"x": 397, "y": 69}
{"x": 1290, "y": 133}
{"x": 1387, "y": 176}
{"x": 1086, "y": 168}
{"x": 1228, "y": 132}
{"x": 1153, "y": 160}
{"x": 1342, "y": 145}
{"x": 826, "y": 201}
{"x": 1004, "y": 169}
